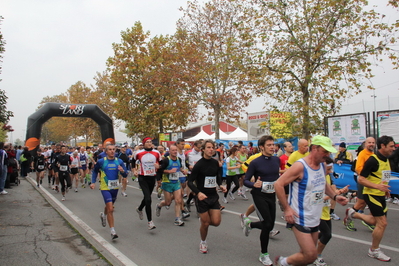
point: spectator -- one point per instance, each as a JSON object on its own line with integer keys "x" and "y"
{"x": 343, "y": 156}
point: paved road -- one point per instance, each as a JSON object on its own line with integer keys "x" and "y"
{"x": 173, "y": 245}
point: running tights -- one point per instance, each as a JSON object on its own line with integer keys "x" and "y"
{"x": 147, "y": 184}
{"x": 265, "y": 205}
{"x": 64, "y": 177}
{"x": 325, "y": 233}
{"x": 229, "y": 180}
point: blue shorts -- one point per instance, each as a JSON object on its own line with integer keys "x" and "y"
{"x": 109, "y": 195}
{"x": 83, "y": 167}
{"x": 170, "y": 187}
{"x": 183, "y": 179}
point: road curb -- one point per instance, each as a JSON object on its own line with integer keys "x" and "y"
{"x": 108, "y": 251}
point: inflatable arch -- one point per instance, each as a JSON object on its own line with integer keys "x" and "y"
{"x": 37, "y": 119}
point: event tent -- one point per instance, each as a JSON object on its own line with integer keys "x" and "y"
{"x": 237, "y": 134}
{"x": 222, "y": 135}
{"x": 201, "y": 135}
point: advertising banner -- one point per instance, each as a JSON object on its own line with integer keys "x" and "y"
{"x": 258, "y": 125}
{"x": 350, "y": 129}
{"x": 388, "y": 124}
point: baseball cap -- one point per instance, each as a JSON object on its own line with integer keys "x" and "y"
{"x": 325, "y": 142}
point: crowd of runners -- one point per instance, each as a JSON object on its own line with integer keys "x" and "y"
{"x": 300, "y": 182}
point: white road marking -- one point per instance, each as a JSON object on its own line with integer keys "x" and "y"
{"x": 114, "y": 251}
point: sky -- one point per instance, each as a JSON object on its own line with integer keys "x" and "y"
{"x": 52, "y": 44}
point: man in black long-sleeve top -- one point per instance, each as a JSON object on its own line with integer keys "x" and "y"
{"x": 207, "y": 175}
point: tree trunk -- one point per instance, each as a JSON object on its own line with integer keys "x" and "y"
{"x": 305, "y": 113}
{"x": 217, "y": 117}
{"x": 160, "y": 126}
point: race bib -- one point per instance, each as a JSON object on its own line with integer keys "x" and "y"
{"x": 210, "y": 182}
{"x": 267, "y": 187}
{"x": 83, "y": 162}
{"x": 386, "y": 176}
{"x": 113, "y": 184}
{"x": 174, "y": 176}
{"x": 40, "y": 167}
{"x": 149, "y": 168}
{"x": 317, "y": 197}
{"x": 64, "y": 168}
{"x": 181, "y": 174}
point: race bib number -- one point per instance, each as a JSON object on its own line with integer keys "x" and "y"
{"x": 174, "y": 176}
{"x": 40, "y": 167}
{"x": 113, "y": 184}
{"x": 267, "y": 187}
{"x": 83, "y": 162}
{"x": 386, "y": 176}
{"x": 149, "y": 169}
{"x": 64, "y": 168}
{"x": 210, "y": 182}
{"x": 317, "y": 197}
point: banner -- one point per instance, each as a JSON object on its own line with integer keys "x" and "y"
{"x": 345, "y": 177}
{"x": 388, "y": 124}
{"x": 258, "y": 125}
{"x": 350, "y": 129}
{"x": 279, "y": 122}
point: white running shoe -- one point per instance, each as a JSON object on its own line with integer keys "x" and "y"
{"x": 265, "y": 259}
{"x": 224, "y": 200}
{"x": 247, "y": 226}
{"x": 348, "y": 216}
{"x": 335, "y": 217}
{"x": 274, "y": 232}
{"x": 378, "y": 254}
{"x": 319, "y": 262}
{"x": 203, "y": 248}
{"x": 124, "y": 193}
{"x": 231, "y": 196}
{"x": 278, "y": 260}
{"x": 140, "y": 213}
{"x": 63, "y": 198}
{"x": 151, "y": 225}
{"x": 103, "y": 219}
{"x": 242, "y": 220}
{"x": 158, "y": 210}
{"x": 3, "y": 192}
{"x": 179, "y": 222}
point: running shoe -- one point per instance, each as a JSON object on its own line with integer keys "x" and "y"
{"x": 185, "y": 214}
{"x": 151, "y": 225}
{"x": 158, "y": 210}
{"x": 221, "y": 208}
{"x": 395, "y": 201}
{"x": 265, "y": 259}
{"x": 348, "y": 216}
{"x": 277, "y": 261}
{"x": 159, "y": 195}
{"x": 335, "y": 217}
{"x": 3, "y": 192}
{"x": 231, "y": 196}
{"x": 369, "y": 226}
{"x": 319, "y": 262}
{"x": 114, "y": 235}
{"x": 56, "y": 189}
{"x": 242, "y": 220}
{"x": 390, "y": 200}
{"x": 224, "y": 200}
{"x": 179, "y": 222}
{"x": 243, "y": 196}
{"x": 203, "y": 248}
{"x": 378, "y": 254}
{"x": 350, "y": 226}
{"x": 247, "y": 227}
{"x": 124, "y": 193}
{"x": 103, "y": 219}
{"x": 76, "y": 189}
{"x": 184, "y": 196}
{"x": 63, "y": 198}
{"x": 274, "y": 232}
{"x": 83, "y": 186}
{"x": 140, "y": 213}
{"x": 167, "y": 207}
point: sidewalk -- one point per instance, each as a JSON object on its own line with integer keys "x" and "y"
{"x": 32, "y": 232}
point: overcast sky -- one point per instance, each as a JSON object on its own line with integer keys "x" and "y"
{"x": 52, "y": 44}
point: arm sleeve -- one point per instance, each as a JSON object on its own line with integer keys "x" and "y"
{"x": 248, "y": 175}
{"x": 96, "y": 170}
{"x": 192, "y": 178}
{"x": 124, "y": 174}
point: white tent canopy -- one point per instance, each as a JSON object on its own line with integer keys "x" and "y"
{"x": 201, "y": 135}
{"x": 237, "y": 134}
{"x": 222, "y": 135}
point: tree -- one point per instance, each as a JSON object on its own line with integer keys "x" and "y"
{"x": 315, "y": 53}
{"x": 4, "y": 114}
{"x": 146, "y": 84}
{"x": 221, "y": 57}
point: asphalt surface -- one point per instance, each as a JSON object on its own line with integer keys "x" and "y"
{"x": 169, "y": 244}
{"x": 32, "y": 232}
